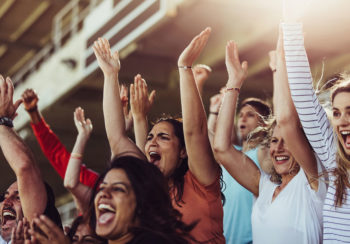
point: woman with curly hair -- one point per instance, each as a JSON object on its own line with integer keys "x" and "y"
{"x": 181, "y": 151}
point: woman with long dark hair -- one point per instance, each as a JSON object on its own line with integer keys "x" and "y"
{"x": 183, "y": 155}
{"x": 131, "y": 204}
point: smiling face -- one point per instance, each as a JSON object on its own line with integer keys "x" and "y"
{"x": 11, "y": 211}
{"x": 163, "y": 148}
{"x": 341, "y": 119}
{"x": 282, "y": 159}
{"x": 248, "y": 120}
{"x": 115, "y": 205}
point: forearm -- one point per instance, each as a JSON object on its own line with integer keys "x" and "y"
{"x": 225, "y": 122}
{"x": 71, "y": 178}
{"x": 312, "y": 116}
{"x": 284, "y": 109}
{"x": 30, "y": 183}
{"x": 114, "y": 119}
{"x": 194, "y": 117}
{"x": 140, "y": 130}
{"x": 16, "y": 152}
{"x": 113, "y": 113}
{"x": 35, "y": 116}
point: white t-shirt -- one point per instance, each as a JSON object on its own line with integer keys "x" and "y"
{"x": 295, "y": 215}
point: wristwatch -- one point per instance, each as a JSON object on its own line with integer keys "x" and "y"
{"x": 6, "y": 121}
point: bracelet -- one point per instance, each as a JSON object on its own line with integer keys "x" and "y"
{"x": 215, "y": 113}
{"x": 33, "y": 109}
{"x": 232, "y": 89}
{"x": 76, "y": 156}
{"x": 6, "y": 121}
{"x": 185, "y": 67}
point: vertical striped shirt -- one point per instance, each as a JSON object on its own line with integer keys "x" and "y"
{"x": 318, "y": 130}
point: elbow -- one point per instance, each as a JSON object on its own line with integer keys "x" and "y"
{"x": 283, "y": 120}
{"x": 70, "y": 185}
{"x": 24, "y": 167}
{"x": 219, "y": 150}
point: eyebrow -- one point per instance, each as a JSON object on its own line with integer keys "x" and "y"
{"x": 346, "y": 108}
{"x": 117, "y": 183}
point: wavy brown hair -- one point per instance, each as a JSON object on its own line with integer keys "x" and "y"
{"x": 343, "y": 160}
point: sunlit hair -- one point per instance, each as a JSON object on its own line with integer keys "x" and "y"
{"x": 343, "y": 160}
{"x": 154, "y": 211}
{"x": 261, "y": 136}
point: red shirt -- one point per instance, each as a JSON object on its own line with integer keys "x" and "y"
{"x": 58, "y": 155}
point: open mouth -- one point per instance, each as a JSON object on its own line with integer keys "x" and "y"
{"x": 154, "y": 158}
{"x": 106, "y": 213}
{"x": 345, "y": 134}
{"x": 281, "y": 159}
{"x": 8, "y": 214}
{"x": 242, "y": 127}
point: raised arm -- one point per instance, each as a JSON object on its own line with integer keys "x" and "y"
{"x": 288, "y": 121}
{"x": 112, "y": 105}
{"x": 312, "y": 116}
{"x": 81, "y": 193}
{"x": 240, "y": 167}
{"x": 50, "y": 144}
{"x": 200, "y": 156}
{"x": 31, "y": 187}
{"x": 140, "y": 104}
{"x": 215, "y": 103}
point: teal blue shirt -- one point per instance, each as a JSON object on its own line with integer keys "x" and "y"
{"x": 238, "y": 207}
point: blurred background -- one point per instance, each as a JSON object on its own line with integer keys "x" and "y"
{"x": 46, "y": 45}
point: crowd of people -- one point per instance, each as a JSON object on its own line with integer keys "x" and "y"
{"x": 277, "y": 176}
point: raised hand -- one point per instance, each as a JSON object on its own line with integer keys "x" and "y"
{"x": 201, "y": 73}
{"x": 84, "y": 126}
{"x": 215, "y": 103}
{"x": 49, "y": 232}
{"x": 7, "y": 107}
{"x": 108, "y": 62}
{"x": 237, "y": 71}
{"x": 140, "y": 101}
{"x": 20, "y": 233}
{"x": 125, "y": 100}
{"x": 193, "y": 50}
{"x": 30, "y": 99}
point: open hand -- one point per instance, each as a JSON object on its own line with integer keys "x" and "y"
{"x": 50, "y": 233}
{"x": 7, "y": 107}
{"x": 215, "y": 103}
{"x": 109, "y": 63}
{"x": 237, "y": 71}
{"x": 140, "y": 101}
{"x": 194, "y": 49}
{"x": 84, "y": 126}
